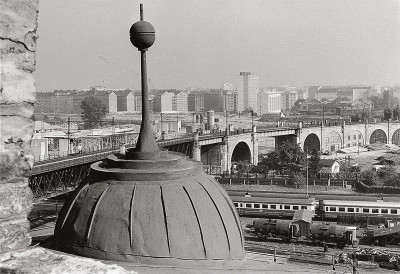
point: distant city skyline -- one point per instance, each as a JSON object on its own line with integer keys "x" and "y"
{"x": 204, "y": 44}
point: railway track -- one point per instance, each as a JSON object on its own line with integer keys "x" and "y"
{"x": 298, "y": 254}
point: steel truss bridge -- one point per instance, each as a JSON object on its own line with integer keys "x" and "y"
{"x": 62, "y": 174}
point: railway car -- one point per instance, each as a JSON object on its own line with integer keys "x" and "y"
{"x": 288, "y": 230}
{"x": 333, "y": 233}
{"x": 378, "y": 208}
{"x": 285, "y": 229}
{"x": 272, "y": 207}
{"x": 267, "y": 194}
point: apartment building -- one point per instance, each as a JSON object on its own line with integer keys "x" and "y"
{"x": 268, "y": 103}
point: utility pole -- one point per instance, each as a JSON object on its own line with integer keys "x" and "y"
{"x": 113, "y": 132}
{"x": 307, "y": 170}
{"x": 161, "y": 126}
{"x": 226, "y": 122}
{"x": 252, "y": 118}
{"x": 177, "y": 124}
{"x": 69, "y": 134}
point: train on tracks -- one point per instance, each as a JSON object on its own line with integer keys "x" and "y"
{"x": 292, "y": 230}
{"x": 323, "y": 206}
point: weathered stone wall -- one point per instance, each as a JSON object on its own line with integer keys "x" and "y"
{"x": 18, "y": 24}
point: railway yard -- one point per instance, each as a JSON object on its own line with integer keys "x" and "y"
{"x": 328, "y": 255}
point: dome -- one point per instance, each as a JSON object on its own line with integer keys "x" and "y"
{"x": 165, "y": 211}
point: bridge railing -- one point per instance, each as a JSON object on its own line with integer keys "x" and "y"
{"x": 51, "y": 166}
{"x": 63, "y": 154}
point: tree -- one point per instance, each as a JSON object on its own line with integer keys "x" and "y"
{"x": 299, "y": 180}
{"x": 387, "y": 114}
{"x": 396, "y": 112}
{"x": 355, "y": 118}
{"x": 314, "y": 162}
{"x": 377, "y": 101}
{"x": 388, "y": 175}
{"x": 93, "y": 111}
{"x": 370, "y": 177}
{"x": 272, "y": 161}
{"x": 291, "y": 157}
{"x": 385, "y": 176}
{"x": 288, "y": 158}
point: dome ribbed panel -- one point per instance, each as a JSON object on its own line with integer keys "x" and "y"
{"x": 68, "y": 205}
{"x": 230, "y": 222}
{"x": 149, "y": 236}
{"x": 231, "y": 206}
{"x": 111, "y": 214}
{"x": 215, "y": 240}
{"x": 184, "y": 233}
{"x": 81, "y": 213}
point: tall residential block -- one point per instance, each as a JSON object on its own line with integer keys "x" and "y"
{"x": 180, "y": 101}
{"x": 196, "y": 101}
{"x": 248, "y": 88}
{"x": 288, "y": 98}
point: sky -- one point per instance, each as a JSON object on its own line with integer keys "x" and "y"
{"x": 205, "y": 43}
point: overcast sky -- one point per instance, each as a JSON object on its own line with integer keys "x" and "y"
{"x": 205, "y": 43}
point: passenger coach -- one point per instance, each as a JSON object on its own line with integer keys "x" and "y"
{"x": 278, "y": 207}
{"x": 335, "y": 208}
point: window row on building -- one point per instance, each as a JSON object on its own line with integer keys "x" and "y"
{"x": 362, "y": 210}
{"x": 269, "y": 206}
{"x": 69, "y": 101}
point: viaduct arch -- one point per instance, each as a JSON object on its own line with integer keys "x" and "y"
{"x": 312, "y": 142}
{"x": 241, "y": 152}
{"x": 396, "y": 137}
{"x": 378, "y": 136}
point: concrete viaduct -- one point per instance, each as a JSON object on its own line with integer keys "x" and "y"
{"x": 333, "y": 138}
{"x": 223, "y": 150}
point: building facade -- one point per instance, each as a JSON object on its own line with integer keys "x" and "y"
{"x": 268, "y": 103}
{"x": 180, "y": 102}
{"x": 326, "y": 94}
{"x": 196, "y": 101}
{"x": 248, "y": 88}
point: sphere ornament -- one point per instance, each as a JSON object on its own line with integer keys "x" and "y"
{"x": 142, "y": 35}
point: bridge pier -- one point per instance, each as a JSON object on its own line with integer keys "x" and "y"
{"x": 366, "y": 139}
{"x": 196, "y": 148}
{"x": 225, "y": 161}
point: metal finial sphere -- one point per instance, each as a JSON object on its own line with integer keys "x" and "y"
{"x": 142, "y": 35}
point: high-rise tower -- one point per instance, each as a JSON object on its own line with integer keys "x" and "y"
{"x": 247, "y": 91}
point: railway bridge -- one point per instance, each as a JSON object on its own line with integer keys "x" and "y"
{"x": 332, "y": 138}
